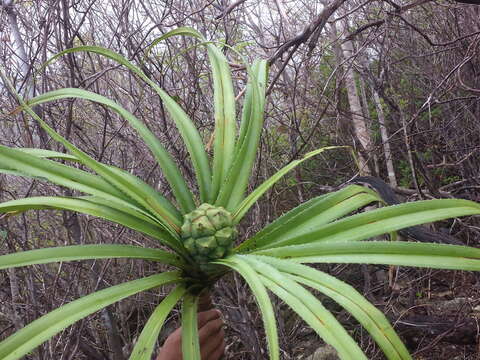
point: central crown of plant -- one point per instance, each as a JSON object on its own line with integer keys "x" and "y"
{"x": 208, "y": 233}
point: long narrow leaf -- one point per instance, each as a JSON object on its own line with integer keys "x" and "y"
{"x": 90, "y": 206}
{"x": 437, "y": 256}
{"x": 171, "y": 171}
{"x": 268, "y": 315}
{"x": 161, "y": 205}
{"x": 72, "y": 178}
{"x": 334, "y": 212}
{"x": 27, "y": 165}
{"x": 190, "y": 344}
{"x": 225, "y": 121}
{"x": 98, "y": 167}
{"x": 49, "y": 154}
{"x": 385, "y": 220}
{"x": 281, "y": 222}
{"x": 146, "y": 341}
{"x": 247, "y": 109}
{"x": 232, "y": 191}
{"x": 314, "y": 222}
{"x": 372, "y": 319}
{"x": 87, "y": 252}
{"x": 157, "y": 201}
{"x": 259, "y": 191}
{"x": 308, "y": 308}
{"x": 224, "y": 103}
{"x": 30, "y": 165}
{"x": 40, "y": 330}
{"x": 189, "y": 133}
{"x": 311, "y": 215}
{"x": 181, "y": 31}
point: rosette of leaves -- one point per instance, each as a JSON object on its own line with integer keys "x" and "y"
{"x": 273, "y": 260}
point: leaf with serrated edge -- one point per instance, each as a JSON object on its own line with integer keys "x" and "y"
{"x": 241, "y": 210}
{"x": 23, "y": 341}
{"x": 263, "y": 301}
{"x": 87, "y": 252}
{"x": 233, "y": 189}
{"x": 436, "y": 256}
{"x": 311, "y": 215}
{"x": 157, "y": 201}
{"x": 190, "y": 344}
{"x": 146, "y": 341}
{"x": 309, "y": 308}
{"x": 385, "y": 220}
{"x": 163, "y": 157}
{"x": 89, "y": 206}
{"x": 184, "y": 124}
{"x": 372, "y": 319}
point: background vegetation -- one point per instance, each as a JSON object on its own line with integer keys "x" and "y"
{"x": 397, "y": 80}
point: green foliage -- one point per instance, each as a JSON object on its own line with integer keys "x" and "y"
{"x": 318, "y": 231}
{"x": 446, "y": 177}
{"x": 404, "y": 173}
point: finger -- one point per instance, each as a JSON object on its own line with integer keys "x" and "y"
{"x": 213, "y": 329}
{"x": 217, "y": 353}
{"x": 175, "y": 337}
{"x": 206, "y": 316}
{"x": 210, "y": 329}
{"x": 211, "y": 343}
{"x": 172, "y": 347}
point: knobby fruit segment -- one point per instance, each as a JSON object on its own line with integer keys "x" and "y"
{"x": 208, "y": 233}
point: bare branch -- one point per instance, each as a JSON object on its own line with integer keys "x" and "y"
{"x": 318, "y": 23}
{"x": 229, "y": 9}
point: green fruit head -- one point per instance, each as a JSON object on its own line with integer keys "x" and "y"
{"x": 208, "y": 233}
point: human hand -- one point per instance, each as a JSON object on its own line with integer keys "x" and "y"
{"x": 211, "y": 337}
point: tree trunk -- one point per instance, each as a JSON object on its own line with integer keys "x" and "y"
{"x": 25, "y": 67}
{"x": 392, "y": 179}
{"x": 345, "y": 52}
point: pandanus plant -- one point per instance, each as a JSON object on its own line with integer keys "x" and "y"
{"x": 197, "y": 231}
